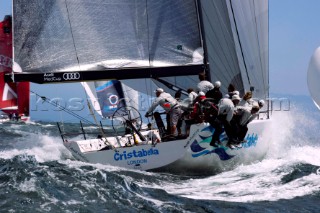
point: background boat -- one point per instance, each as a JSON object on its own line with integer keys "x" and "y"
{"x": 14, "y": 97}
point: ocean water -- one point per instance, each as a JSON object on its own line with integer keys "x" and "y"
{"x": 37, "y": 174}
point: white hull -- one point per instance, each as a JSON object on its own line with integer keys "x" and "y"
{"x": 192, "y": 153}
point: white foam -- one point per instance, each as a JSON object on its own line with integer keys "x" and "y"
{"x": 28, "y": 185}
{"x": 293, "y": 144}
{"x": 43, "y": 147}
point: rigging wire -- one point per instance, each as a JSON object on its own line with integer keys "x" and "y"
{"x": 74, "y": 44}
{"x": 147, "y": 14}
{"x": 56, "y": 104}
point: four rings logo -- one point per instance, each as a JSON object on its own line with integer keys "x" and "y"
{"x": 71, "y": 76}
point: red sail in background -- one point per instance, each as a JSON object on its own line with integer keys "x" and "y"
{"x": 14, "y": 97}
{"x": 23, "y": 91}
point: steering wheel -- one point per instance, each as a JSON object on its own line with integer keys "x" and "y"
{"x": 124, "y": 114}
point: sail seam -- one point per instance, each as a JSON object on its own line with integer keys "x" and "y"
{"x": 256, "y": 24}
{"x": 238, "y": 36}
{"x": 212, "y": 44}
{"x": 74, "y": 44}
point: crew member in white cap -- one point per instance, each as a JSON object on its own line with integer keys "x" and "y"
{"x": 204, "y": 85}
{"x": 225, "y": 114}
{"x": 261, "y": 103}
{"x": 215, "y": 93}
{"x": 170, "y": 105}
{"x": 243, "y": 116}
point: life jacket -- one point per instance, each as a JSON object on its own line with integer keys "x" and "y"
{"x": 197, "y": 113}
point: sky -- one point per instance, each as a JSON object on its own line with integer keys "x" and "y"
{"x": 294, "y": 34}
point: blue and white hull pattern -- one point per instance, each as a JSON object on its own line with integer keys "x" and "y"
{"x": 194, "y": 152}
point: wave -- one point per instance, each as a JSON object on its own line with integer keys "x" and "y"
{"x": 290, "y": 169}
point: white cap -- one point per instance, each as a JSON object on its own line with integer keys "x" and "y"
{"x": 261, "y": 103}
{"x": 202, "y": 93}
{"x": 255, "y": 106}
{"x": 159, "y": 90}
{"x": 217, "y": 84}
{"x": 235, "y": 97}
{"x": 227, "y": 96}
{"x": 236, "y": 92}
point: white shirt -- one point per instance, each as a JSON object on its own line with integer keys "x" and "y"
{"x": 246, "y": 103}
{"x": 165, "y": 100}
{"x": 154, "y": 136}
{"x": 245, "y": 115}
{"x": 205, "y": 86}
{"x": 226, "y": 107}
{"x": 192, "y": 95}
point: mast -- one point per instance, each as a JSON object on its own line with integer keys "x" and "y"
{"x": 203, "y": 40}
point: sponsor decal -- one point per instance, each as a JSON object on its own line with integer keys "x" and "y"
{"x": 69, "y": 76}
{"x": 5, "y": 61}
{"x": 191, "y": 138}
{"x": 50, "y": 77}
{"x": 113, "y": 99}
{"x": 251, "y": 140}
{"x": 135, "y": 154}
{"x": 201, "y": 148}
{"x": 137, "y": 162}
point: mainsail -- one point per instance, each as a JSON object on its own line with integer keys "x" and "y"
{"x": 14, "y": 97}
{"x": 99, "y": 39}
{"x": 167, "y": 41}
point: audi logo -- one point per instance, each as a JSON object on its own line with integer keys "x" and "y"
{"x": 71, "y": 76}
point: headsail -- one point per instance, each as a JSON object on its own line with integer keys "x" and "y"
{"x": 106, "y": 96}
{"x": 236, "y": 45}
{"x": 95, "y": 39}
{"x": 14, "y": 97}
{"x": 314, "y": 76}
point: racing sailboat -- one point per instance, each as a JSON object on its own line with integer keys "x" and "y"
{"x": 146, "y": 44}
{"x": 14, "y": 97}
{"x": 314, "y": 76}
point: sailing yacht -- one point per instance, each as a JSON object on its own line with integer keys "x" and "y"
{"x": 141, "y": 45}
{"x": 314, "y": 76}
{"x": 14, "y": 97}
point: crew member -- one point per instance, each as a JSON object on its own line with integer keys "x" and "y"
{"x": 170, "y": 105}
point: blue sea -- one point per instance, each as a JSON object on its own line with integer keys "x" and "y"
{"x": 37, "y": 174}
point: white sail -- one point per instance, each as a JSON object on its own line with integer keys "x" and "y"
{"x": 250, "y": 31}
{"x": 236, "y": 40}
{"x": 144, "y": 44}
{"x": 314, "y": 77}
{"x": 92, "y": 95}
